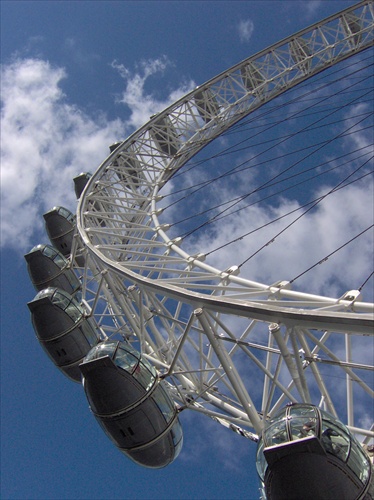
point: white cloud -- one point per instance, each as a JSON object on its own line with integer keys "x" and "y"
{"x": 245, "y": 29}
{"x": 341, "y": 216}
{"x": 311, "y": 7}
{"x": 141, "y": 104}
{"x": 46, "y": 140}
{"x": 77, "y": 53}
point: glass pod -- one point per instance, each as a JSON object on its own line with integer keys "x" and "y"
{"x": 63, "y": 329}
{"x": 132, "y": 404}
{"x": 305, "y": 452}
{"x": 47, "y": 267}
{"x": 60, "y": 225}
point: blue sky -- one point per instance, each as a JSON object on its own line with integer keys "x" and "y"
{"x": 76, "y": 77}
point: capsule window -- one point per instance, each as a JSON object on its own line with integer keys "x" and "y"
{"x": 101, "y": 350}
{"x": 177, "y": 433}
{"x": 164, "y": 403}
{"x": 148, "y": 365}
{"x": 59, "y": 299}
{"x": 358, "y": 462}
{"x": 67, "y": 214}
{"x": 276, "y": 433}
{"x": 144, "y": 376}
{"x": 74, "y": 313}
{"x": 89, "y": 333}
{"x": 68, "y": 304}
{"x": 261, "y": 463}
{"x": 334, "y": 440}
{"x": 49, "y": 252}
{"x": 303, "y": 422}
{"x": 53, "y": 254}
{"x": 125, "y": 360}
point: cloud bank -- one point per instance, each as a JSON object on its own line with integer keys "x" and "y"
{"x": 46, "y": 140}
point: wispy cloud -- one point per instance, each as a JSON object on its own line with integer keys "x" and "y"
{"x": 245, "y": 29}
{"x": 312, "y": 238}
{"x": 46, "y": 140}
{"x": 141, "y": 104}
{"x": 78, "y": 54}
{"x": 311, "y": 7}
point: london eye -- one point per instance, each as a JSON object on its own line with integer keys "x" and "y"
{"x": 158, "y": 292}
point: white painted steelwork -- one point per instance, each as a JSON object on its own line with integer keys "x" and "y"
{"x": 232, "y": 348}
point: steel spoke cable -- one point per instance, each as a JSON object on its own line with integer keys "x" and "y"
{"x": 270, "y": 184}
{"x": 248, "y": 124}
{"x": 268, "y": 161}
{"x": 310, "y": 91}
{"x": 296, "y": 100}
{"x": 281, "y": 119}
{"x": 278, "y": 193}
{"x": 284, "y": 139}
{"x": 238, "y": 170}
{"x": 243, "y": 197}
{"x": 364, "y": 283}
{"x": 317, "y": 112}
{"x": 241, "y": 237}
{"x": 332, "y": 253}
{"x": 281, "y": 106}
{"x": 214, "y": 207}
{"x": 277, "y": 120}
{"x": 300, "y": 216}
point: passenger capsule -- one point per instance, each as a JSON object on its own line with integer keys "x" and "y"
{"x": 63, "y": 330}
{"x": 300, "y": 53}
{"x": 253, "y": 79}
{"x": 305, "y": 452}
{"x": 80, "y": 182}
{"x": 60, "y": 225}
{"x": 206, "y": 104}
{"x": 165, "y": 136}
{"x": 114, "y": 146}
{"x": 128, "y": 169}
{"x": 48, "y": 268}
{"x": 132, "y": 404}
{"x": 352, "y": 27}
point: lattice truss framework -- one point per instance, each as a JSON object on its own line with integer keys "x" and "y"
{"x": 234, "y": 349}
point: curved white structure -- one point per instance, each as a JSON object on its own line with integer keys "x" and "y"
{"x": 231, "y": 348}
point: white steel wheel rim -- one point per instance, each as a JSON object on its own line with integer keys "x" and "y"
{"x": 128, "y": 247}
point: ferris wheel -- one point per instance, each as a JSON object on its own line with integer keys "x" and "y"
{"x": 223, "y": 345}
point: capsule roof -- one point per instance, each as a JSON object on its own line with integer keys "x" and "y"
{"x": 63, "y": 329}
{"x": 54, "y": 311}
{"x": 131, "y": 404}
{"x": 80, "y": 182}
{"x": 48, "y": 267}
{"x": 60, "y": 226}
{"x": 122, "y": 354}
{"x": 303, "y": 436}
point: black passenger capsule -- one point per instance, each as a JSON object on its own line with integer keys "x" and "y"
{"x": 305, "y": 452}
{"x": 48, "y": 268}
{"x": 132, "y": 404}
{"x": 253, "y": 79}
{"x": 206, "y": 104}
{"x": 165, "y": 136}
{"x": 60, "y": 225}
{"x": 300, "y": 53}
{"x": 80, "y": 182}
{"x": 63, "y": 330}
